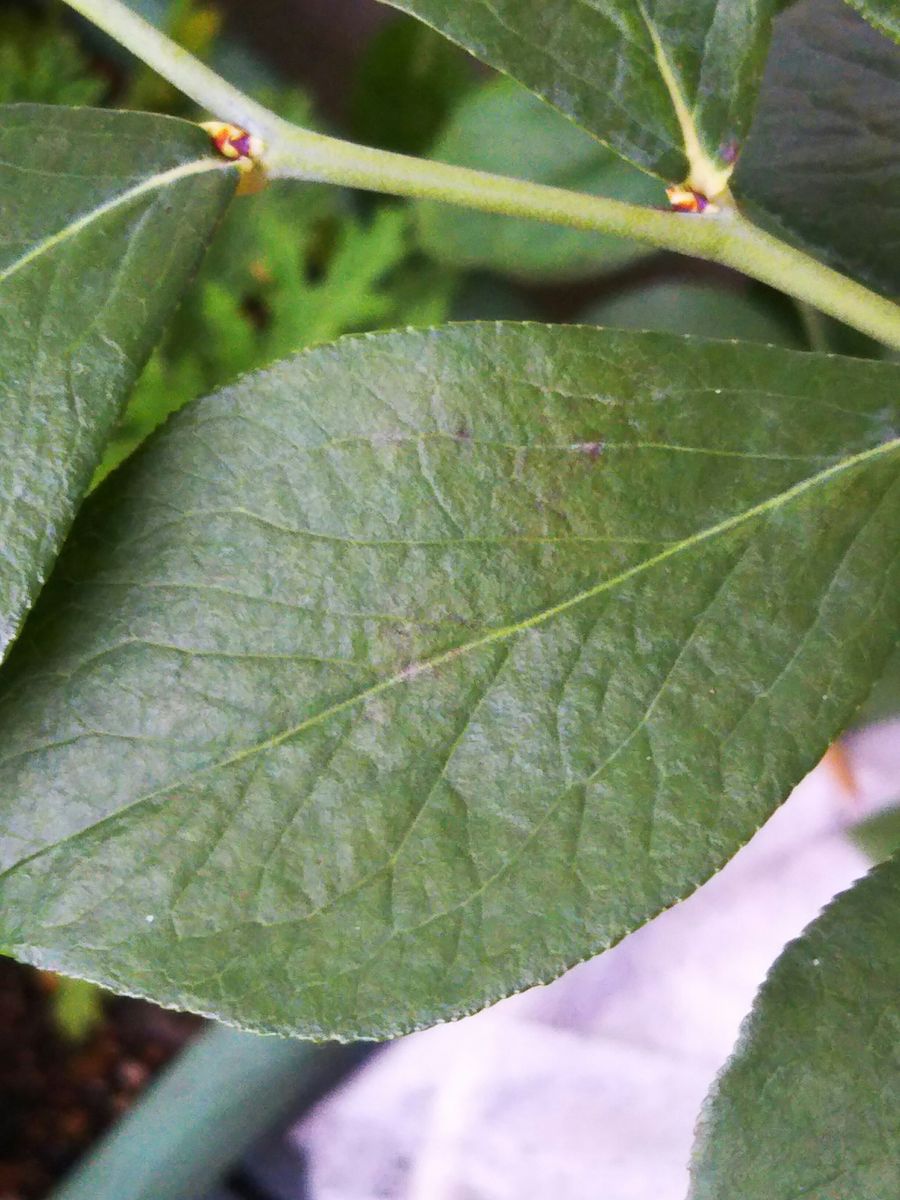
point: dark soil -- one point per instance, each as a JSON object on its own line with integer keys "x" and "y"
{"x": 56, "y": 1097}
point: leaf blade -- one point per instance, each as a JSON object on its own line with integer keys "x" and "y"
{"x": 669, "y": 86}
{"x": 807, "y": 1104}
{"x": 405, "y": 702}
{"x": 80, "y": 306}
{"x": 822, "y": 142}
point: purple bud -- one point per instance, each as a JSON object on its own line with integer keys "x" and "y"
{"x": 242, "y": 144}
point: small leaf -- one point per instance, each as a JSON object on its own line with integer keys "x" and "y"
{"x": 504, "y": 129}
{"x": 883, "y": 14}
{"x": 105, "y": 216}
{"x": 820, "y": 165}
{"x": 668, "y": 84}
{"x": 810, "y": 1105}
{"x": 411, "y": 671}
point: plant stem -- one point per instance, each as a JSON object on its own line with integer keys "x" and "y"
{"x": 291, "y": 152}
{"x": 177, "y": 66}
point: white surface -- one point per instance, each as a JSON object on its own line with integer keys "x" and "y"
{"x": 589, "y": 1089}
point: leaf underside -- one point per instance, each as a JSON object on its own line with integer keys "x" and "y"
{"x": 105, "y": 216}
{"x": 411, "y": 671}
{"x": 810, "y": 1103}
{"x": 820, "y": 167}
{"x": 623, "y": 69}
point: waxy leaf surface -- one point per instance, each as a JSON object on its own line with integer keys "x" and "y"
{"x": 411, "y": 671}
{"x": 105, "y": 216}
{"x": 810, "y": 1103}
{"x": 661, "y": 81}
{"x": 821, "y": 166}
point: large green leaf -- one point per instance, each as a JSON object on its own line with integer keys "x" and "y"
{"x": 505, "y": 129}
{"x": 669, "y": 84}
{"x": 883, "y": 14}
{"x": 810, "y": 1103}
{"x": 821, "y": 165}
{"x": 105, "y": 216}
{"x": 411, "y": 671}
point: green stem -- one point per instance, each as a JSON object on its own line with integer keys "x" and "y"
{"x": 291, "y": 152}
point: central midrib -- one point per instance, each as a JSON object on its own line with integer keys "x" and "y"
{"x": 499, "y": 634}
{"x": 704, "y": 174}
{"x": 151, "y": 184}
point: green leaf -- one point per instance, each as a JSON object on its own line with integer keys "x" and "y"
{"x": 409, "y": 80}
{"x": 504, "y": 129}
{"x": 105, "y": 216}
{"x": 809, "y": 1104}
{"x": 819, "y": 166}
{"x": 883, "y": 14}
{"x": 695, "y": 307}
{"x": 410, "y": 672}
{"x": 878, "y": 836}
{"x": 883, "y": 702}
{"x": 669, "y": 84}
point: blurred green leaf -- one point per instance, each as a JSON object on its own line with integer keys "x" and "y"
{"x": 408, "y": 83}
{"x": 809, "y": 1105}
{"x": 41, "y": 62}
{"x": 485, "y": 297}
{"x": 77, "y": 1007}
{"x": 820, "y": 165}
{"x": 503, "y": 128}
{"x": 879, "y": 836}
{"x": 693, "y": 307}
